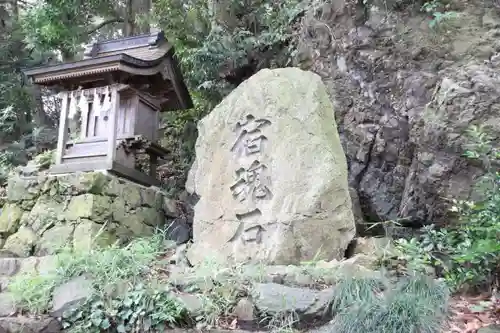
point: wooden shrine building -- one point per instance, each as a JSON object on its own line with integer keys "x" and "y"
{"x": 115, "y": 96}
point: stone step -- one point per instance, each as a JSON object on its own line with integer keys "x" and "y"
{"x": 23, "y": 324}
{"x": 10, "y": 267}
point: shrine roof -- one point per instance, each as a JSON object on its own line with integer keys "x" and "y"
{"x": 141, "y": 51}
{"x": 147, "y": 56}
{"x": 148, "y": 47}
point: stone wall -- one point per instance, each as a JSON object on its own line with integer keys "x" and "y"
{"x": 44, "y": 213}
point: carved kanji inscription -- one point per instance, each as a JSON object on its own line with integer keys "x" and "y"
{"x": 250, "y": 136}
{"x": 251, "y": 183}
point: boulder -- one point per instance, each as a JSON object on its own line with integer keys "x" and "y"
{"x": 178, "y": 231}
{"x": 30, "y": 325}
{"x": 9, "y": 266}
{"x": 55, "y": 239}
{"x": 70, "y": 294}
{"x": 245, "y": 310}
{"x": 271, "y": 173}
{"x": 7, "y": 305}
{"x": 193, "y": 303}
{"x": 274, "y": 299}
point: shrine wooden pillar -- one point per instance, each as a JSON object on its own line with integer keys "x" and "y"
{"x": 62, "y": 136}
{"x": 112, "y": 125}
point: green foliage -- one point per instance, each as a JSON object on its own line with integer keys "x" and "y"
{"x": 440, "y": 13}
{"x": 468, "y": 254}
{"x": 413, "y": 304}
{"x": 33, "y": 292}
{"x": 219, "y": 288}
{"x": 45, "y": 159}
{"x": 14, "y": 154}
{"x": 264, "y": 25}
{"x": 63, "y": 24}
{"x": 351, "y": 291}
{"x": 17, "y": 106}
{"x": 140, "y": 309}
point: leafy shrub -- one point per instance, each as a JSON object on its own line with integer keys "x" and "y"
{"x": 45, "y": 159}
{"x": 440, "y": 13}
{"x": 140, "y": 309}
{"x": 468, "y": 254}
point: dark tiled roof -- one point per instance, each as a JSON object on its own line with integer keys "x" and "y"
{"x": 146, "y": 47}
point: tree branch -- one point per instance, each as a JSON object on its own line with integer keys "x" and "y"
{"x": 103, "y": 24}
{"x": 14, "y": 2}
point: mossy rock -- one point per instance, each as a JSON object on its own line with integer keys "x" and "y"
{"x": 45, "y": 213}
{"x": 132, "y": 196}
{"x": 92, "y": 235}
{"x": 150, "y": 216}
{"x": 22, "y": 242}
{"x": 55, "y": 239}
{"x": 119, "y": 209}
{"x": 89, "y": 206}
{"x": 136, "y": 226}
{"x": 129, "y": 192}
{"x": 10, "y": 218}
{"x": 21, "y": 189}
{"x": 82, "y": 183}
{"x": 152, "y": 198}
{"x": 130, "y": 223}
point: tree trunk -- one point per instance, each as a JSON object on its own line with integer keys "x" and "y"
{"x": 222, "y": 13}
{"x": 40, "y": 117}
{"x": 129, "y": 22}
{"x": 142, "y": 7}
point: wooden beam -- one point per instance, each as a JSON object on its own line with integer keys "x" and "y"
{"x": 85, "y": 123}
{"x": 134, "y": 175}
{"x": 153, "y": 165}
{"x": 62, "y": 137}
{"x": 77, "y": 167}
{"x": 112, "y": 124}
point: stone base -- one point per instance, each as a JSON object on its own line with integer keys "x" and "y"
{"x": 44, "y": 213}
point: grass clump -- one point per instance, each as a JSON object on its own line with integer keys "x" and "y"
{"x": 106, "y": 267}
{"x": 219, "y": 287}
{"x": 414, "y": 304}
{"x": 351, "y": 291}
{"x": 33, "y": 292}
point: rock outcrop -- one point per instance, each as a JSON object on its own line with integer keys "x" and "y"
{"x": 271, "y": 174}
{"x": 404, "y": 95}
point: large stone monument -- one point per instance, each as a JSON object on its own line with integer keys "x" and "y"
{"x": 271, "y": 174}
